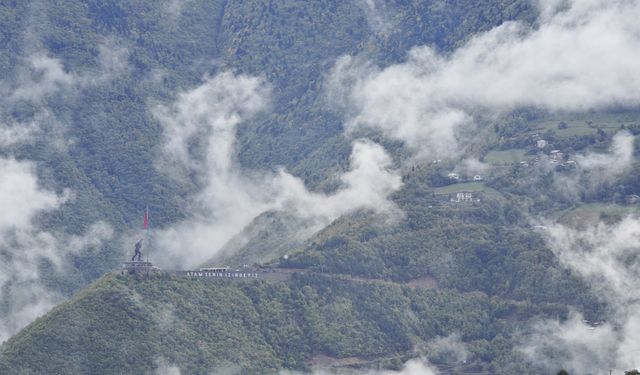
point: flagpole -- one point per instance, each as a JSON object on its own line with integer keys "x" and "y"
{"x": 147, "y": 232}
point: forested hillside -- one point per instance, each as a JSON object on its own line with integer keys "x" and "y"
{"x": 123, "y": 56}
{"x": 127, "y": 324}
{"x": 449, "y": 182}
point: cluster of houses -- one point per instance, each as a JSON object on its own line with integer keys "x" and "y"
{"x": 541, "y": 143}
{"x": 555, "y": 157}
{"x": 632, "y": 199}
{"x": 464, "y": 196}
{"x": 456, "y": 177}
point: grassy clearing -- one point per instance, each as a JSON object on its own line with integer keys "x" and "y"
{"x": 585, "y": 124}
{"x": 470, "y": 187}
{"x": 505, "y": 157}
{"x": 574, "y": 128}
{"x": 593, "y": 212}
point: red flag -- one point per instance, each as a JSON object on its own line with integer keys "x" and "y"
{"x": 145, "y": 224}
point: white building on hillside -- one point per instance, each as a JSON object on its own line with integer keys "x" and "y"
{"x": 453, "y": 176}
{"x": 462, "y": 196}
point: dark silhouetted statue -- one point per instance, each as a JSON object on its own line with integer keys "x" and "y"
{"x": 138, "y": 253}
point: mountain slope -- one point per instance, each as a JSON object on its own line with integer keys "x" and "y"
{"x": 129, "y": 325}
{"x": 90, "y": 72}
{"x": 460, "y": 258}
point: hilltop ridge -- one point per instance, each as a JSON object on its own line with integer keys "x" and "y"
{"x": 128, "y": 324}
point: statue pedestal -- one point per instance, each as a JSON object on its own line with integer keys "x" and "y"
{"x": 129, "y": 268}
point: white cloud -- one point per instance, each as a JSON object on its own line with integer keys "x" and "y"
{"x": 572, "y": 345}
{"x": 367, "y": 184}
{"x": 608, "y": 167}
{"x": 376, "y": 15}
{"x": 113, "y": 59}
{"x": 23, "y": 247}
{"x": 200, "y": 128}
{"x": 449, "y": 349}
{"x": 23, "y": 252}
{"x": 412, "y": 367}
{"x": 20, "y": 196}
{"x": 163, "y": 367}
{"x": 43, "y": 76}
{"x": 603, "y": 255}
{"x": 227, "y": 201}
{"x": 15, "y": 134}
{"x": 582, "y": 56}
{"x": 209, "y": 114}
{"x": 596, "y": 170}
{"x": 173, "y": 8}
{"x": 472, "y": 166}
{"x": 607, "y": 256}
{"x": 43, "y": 123}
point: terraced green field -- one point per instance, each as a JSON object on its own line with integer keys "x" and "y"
{"x": 470, "y": 187}
{"x": 585, "y": 124}
{"x": 505, "y": 157}
{"x": 590, "y": 213}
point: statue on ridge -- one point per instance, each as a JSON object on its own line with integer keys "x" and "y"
{"x": 137, "y": 253}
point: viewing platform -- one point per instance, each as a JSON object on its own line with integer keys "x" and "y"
{"x": 138, "y": 267}
{"x": 210, "y": 273}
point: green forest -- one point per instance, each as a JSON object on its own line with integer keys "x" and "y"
{"x": 123, "y": 323}
{"x": 464, "y": 259}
